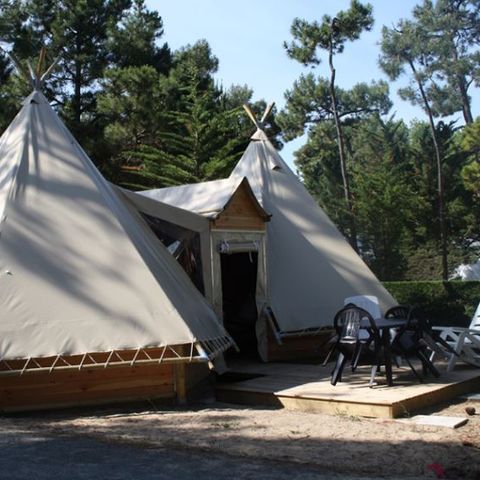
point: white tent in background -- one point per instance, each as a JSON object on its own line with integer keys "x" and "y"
{"x": 467, "y": 271}
{"x": 310, "y": 267}
{"x": 80, "y": 271}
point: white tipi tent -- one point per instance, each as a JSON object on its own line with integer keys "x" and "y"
{"x": 310, "y": 267}
{"x": 80, "y": 272}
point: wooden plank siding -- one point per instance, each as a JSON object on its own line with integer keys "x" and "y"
{"x": 241, "y": 213}
{"x": 37, "y": 390}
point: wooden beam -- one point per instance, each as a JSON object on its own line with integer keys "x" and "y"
{"x": 180, "y": 380}
{"x": 32, "y": 74}
{"x": 251, "y": 115}
{"x": 41, "y": 61}
{"x": 180, "y": 384}
{"x": 267, "y": 111}
{"x": 304, "y": 404}
{"x": 49, "y": 70}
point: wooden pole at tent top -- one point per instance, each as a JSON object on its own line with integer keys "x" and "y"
{"x": 253, "y": 118}
{"x": 251, "y": 115}
{"x": 41, "y": 61}
{"x": 34, "y": 77}
{"x": 267, "y": 111}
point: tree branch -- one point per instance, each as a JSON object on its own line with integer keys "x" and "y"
{"x": 359, "y": 110}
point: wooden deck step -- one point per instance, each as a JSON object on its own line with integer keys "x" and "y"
{"x": 307, "y": 388}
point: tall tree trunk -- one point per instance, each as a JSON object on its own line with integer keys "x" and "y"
{"x": 77, "y": 97}
{"x": 341, "y": 152}
{"x": 462, "y": 86}
{"x": 467, "y": 111}
{"x": 441, "y": 194}
{"x": 77, "y": 87}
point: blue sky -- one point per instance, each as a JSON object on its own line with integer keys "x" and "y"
{"x": 247, "y": 37}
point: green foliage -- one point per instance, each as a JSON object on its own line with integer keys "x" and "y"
{"x": 195, "y": 64}
{"x": 132, "y": 101}
{"x": 132, "y": 107}
{"x": 78, "y": 33}
{"x": 310, "y": 36}
{"x": 203, "y": 148}
{"x": 319, "y": 168}
{"x": 452, "y": 30}
{"x": 425, "y": 176}
{"x": 312, "y": 101}
{"x": 424, "y": 262}
{"x": 444, "y": 303}
{"x": 470, "y": 143}
{"x": 406, "y": 48}
{"x": 438, "y": 49}
{"x": 405, "y": 51}
{"x": 150, "y": 117}
{"x": 438, "y": 45}
{"x": 133, "y": 42}
{"x": 309, "y": 102}
{"x": 462, "y": 225}
{"x": 471, "y": 177}
{"x": 175, "y": 129}
{"x": 12, "y": 91}
{"x": 383, "y": 196}
{"x": 394, "y": 187}
{"x": 147, "y": 117}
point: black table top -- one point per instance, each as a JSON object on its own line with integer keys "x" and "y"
{"x": 382, "y": 323}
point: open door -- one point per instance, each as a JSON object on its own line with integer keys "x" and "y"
{"x": 239, "y": 286}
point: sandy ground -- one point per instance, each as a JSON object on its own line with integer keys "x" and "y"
{"x": 332, "y": 443}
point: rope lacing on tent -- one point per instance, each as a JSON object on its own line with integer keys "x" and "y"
{"x": 195, "y": 352}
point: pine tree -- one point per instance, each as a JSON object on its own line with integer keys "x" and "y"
{"x": 453, "y": 30}
{"x": 405, "y": 48}
{"x": 330, "y": 36}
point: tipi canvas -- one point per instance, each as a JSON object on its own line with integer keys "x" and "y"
{"x": 310, "y": 267}
{"x": 80, "y": 272}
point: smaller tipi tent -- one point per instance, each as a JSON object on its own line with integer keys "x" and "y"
{"x": 80, "y": 271}
{"x": 311, "y": 268}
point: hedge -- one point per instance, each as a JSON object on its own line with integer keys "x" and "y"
{"x": 444, "y": 303}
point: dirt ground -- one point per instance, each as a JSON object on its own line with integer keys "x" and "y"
{"x": 333, "y": 443}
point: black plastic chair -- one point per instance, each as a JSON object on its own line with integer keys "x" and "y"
{"x": 347, "y": 323}
{"x": 409, "y": 340}
{"x": 399, "y": 311}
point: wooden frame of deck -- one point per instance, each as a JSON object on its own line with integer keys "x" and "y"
{"x": 307, "y": 388}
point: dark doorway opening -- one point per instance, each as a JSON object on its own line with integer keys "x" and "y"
{"x": 239, "y": 284}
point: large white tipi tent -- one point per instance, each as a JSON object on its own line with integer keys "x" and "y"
{"x": 310, "y": 268}
{"x": 79, "y": 271}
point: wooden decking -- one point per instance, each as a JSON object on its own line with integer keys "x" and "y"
{"x": 307, "y": 388}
